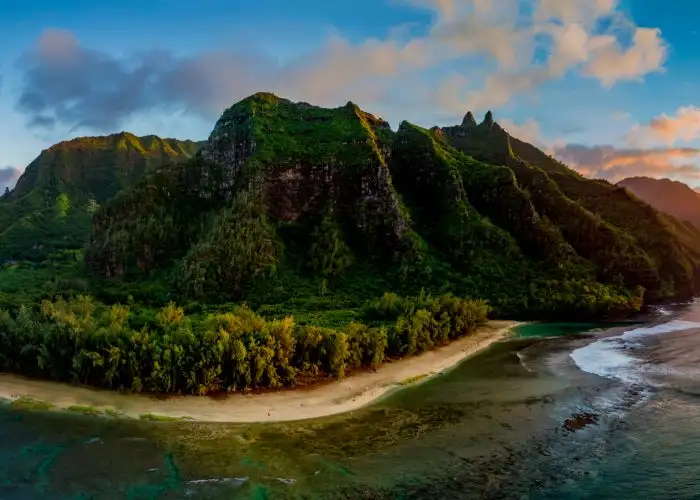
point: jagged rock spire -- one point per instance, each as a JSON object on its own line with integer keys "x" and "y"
{"x": 469, "y": 120}
{"x": 488, "y": 119}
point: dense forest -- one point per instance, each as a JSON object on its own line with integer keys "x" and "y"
{"x": 82, "y": 342}
{"x": 258, "y": 260}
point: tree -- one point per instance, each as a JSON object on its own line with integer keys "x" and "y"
{"x": 62, "y": 205}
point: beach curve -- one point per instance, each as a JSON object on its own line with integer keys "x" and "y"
{"x": 328, "y": 399}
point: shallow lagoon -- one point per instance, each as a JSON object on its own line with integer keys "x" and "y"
{"x": 462, "y": 434}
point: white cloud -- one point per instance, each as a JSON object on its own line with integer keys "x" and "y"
{"x": 8, "y": 178}
{"x": 573, "y": 11}
{"x": 610, "y": 63}
{"x": 528, "y": 131}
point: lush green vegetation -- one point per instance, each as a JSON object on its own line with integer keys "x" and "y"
{"x": 307, "y": 215}
{"x": 51, "y": 208}
{"x": 83, "y": 342}
{"x": 290, "y": 201}
{"x": 629, "y": 242}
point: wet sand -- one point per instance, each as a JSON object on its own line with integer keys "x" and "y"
{"x": 333, "y": 398}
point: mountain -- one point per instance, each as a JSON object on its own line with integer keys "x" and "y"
{"x": 286, "y": 198}
{"x": 671, "y": 197}
{"x": 52, "y": 204}
{"x": 622, "y": 235}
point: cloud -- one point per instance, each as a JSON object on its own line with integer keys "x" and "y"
{"x": 613, "y": 164}
{"x": 66, "y": 83}
{"x": 576, "y": 11}
{"x": 568, "y": 32}
{"x": 528, "y": 131}
{"x": 484, "y": 52}
{"x": 684, "y": 126}
{"x": 8, "y": 178}
{"x": 610, "y": 63}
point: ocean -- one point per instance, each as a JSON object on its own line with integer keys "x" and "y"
{"x": 561, "y": 411}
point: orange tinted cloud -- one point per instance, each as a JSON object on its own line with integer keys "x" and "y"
{"x": 608, "y": 162}
{"x": 684, "y": 126}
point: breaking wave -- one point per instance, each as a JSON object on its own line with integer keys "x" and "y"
{"x": 612, "y": 357}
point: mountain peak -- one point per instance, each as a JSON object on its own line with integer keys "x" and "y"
{"x": 488, "y": 119}
{"x": 87, "y": 170}
{"x": 469, "y": 120}
{"x": 264, "y": 96}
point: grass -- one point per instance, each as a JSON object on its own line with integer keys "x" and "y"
{"x": 84, "y": 409}
{"x": 152, "y": 417}
{"x": 25, "y": 403}
{"x": 111, "y": 412}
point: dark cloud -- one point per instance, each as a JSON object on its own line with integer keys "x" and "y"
{"x": 608, "y": 162}
{"x": 66, "y": 83}
{"x": 8, "y": 178}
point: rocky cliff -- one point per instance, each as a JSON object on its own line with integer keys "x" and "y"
{"x": 273, "y": 173}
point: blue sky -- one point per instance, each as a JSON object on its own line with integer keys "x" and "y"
{"x": 608, "y": 86}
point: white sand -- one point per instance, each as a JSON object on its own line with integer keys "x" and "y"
{"x": 327, "y": 399}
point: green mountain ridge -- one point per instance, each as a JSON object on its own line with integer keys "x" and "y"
{"x": 285, "y": 195}
{"x": 51, "y": 207}
{"x": 671, "y": 197}
{"x": 601, "y": 221}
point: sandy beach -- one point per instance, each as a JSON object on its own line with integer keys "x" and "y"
{"x": 332, "y": 398}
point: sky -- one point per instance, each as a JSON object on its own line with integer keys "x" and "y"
{"x": 610, "y": 87}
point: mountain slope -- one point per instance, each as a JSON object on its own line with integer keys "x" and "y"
{"x": 274, "y": 179}
{"x": 287, "y": 197}
{"x": 51, "y": 207}
{"x": 627, "y": 240}
{"x": 671, "y": 197}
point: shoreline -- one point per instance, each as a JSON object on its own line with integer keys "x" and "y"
{"x": 339, "y": 396}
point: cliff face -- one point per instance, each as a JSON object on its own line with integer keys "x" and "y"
{"x": 278, "y": 170}
{"x": 302, "y": 159}
{"x": 51, "y": 206}
{"x": 287, "y": 193}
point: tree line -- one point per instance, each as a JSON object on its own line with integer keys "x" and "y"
{"x": 84, "y": 342}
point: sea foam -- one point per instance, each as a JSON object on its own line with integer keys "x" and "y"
{"x": 610, "y": 358}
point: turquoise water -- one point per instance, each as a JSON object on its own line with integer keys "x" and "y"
{"x": 491, "y": 428}
{"x": 652, "y": 453}
{"x": 557, "y": 329}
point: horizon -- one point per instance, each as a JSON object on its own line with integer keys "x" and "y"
{"x": 606, "y": 87}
